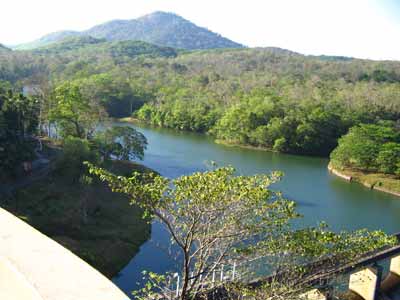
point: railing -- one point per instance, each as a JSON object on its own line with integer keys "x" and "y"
{"x": 365, "y": 279}
{"x": 219, "y": 277}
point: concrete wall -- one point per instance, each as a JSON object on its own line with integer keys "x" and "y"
{"x": 34, "y": 267}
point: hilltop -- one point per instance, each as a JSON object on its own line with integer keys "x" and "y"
{"x": 159, "y": 28}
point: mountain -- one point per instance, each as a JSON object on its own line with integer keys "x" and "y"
{"x": 164, "y": 29}
{"x": 159, "y": 28}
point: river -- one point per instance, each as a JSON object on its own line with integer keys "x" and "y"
{"x": 320, "y": 196}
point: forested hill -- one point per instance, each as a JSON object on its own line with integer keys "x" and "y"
{"x": 48, "y": 39}
{"x": 87, "y": 47}
{"x": 160, "y": 28}
{"x": 265, "y": 97}
{"x": 70, "y": 43}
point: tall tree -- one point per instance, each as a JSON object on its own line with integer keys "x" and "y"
{"x": 75, "y": 114}
{"x": 121, "y": 142}
{"x": 216, "y": 218}
{"x": 18, "y": 122}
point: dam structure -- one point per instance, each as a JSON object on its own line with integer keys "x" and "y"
{"x": 34, "y": 267}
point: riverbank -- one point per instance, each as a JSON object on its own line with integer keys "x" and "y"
{"x": 135, "y": 121}
{"x": 129, "y": 120}
{"x": 377, "y": 181}
{"x": 96, "y": 224}
{"x": 233, "y": 144}
{"x": 228, "y": 143}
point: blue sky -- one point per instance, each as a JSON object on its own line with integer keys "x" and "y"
{"x": 358, "y": 28}
{"x": 392, "y": 8}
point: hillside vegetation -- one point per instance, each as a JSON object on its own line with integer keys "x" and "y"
{"x": 113, "y": 232}
{"x": 92, "y": 48}
{"x": 263, "y": 97}
{"x": 370, "y": 154}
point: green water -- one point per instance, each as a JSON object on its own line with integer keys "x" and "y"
{"x": 320, "y": 196}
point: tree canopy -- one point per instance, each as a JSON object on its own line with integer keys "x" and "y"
{"x": 217, "y": 218}
{"x": 18, "y": 123}
{"x": 121, "y": 142}
{"x": 371, "y": 148}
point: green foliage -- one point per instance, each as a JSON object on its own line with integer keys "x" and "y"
{"x": 388, "y": 158}
{"x": 216, "y": 217}
{"x": 115, "y": 94}
{"x": 75, "y": 152}
{"x": 121, "y": 142}
{"x": 370, "y": 148}
{"x": 70, "y": 43}
{"x": 257, "y": 97}
{"x": 73, "y": 112}
{"x": 95, "y": 224}
{"x": 181, "y": 112}
{"x": 18, "y": 122}
{"x": 92, "y": 49}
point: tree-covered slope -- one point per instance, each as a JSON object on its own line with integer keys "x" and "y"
{"x": 87, "y": 47}
{"x": 265, "y": 97}
{"x": 48, "y": 39}
{"x": 69, "y": 43}
{"x": 160, "y": 28}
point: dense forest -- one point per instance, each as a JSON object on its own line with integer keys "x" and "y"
{"x": 264, "y": 97}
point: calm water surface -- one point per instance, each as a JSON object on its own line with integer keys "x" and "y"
{"x": 320, "y": 196}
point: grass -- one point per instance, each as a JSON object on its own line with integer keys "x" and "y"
{"x": 388, "y": 183}
{"x": 109, "y": 237}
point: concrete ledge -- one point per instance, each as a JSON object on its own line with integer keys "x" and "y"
{"x": 13, "y": 285}
{"x": 37, "y": 268}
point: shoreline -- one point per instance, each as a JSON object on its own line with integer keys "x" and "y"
{"x": 135, "y": 121}
{"x": 332, "y": 170}
{"x": 374, "y": 182}
{"x": 226, "y": 143}
{"x": 231, "y": 144}
{"x": 128, "y": 120}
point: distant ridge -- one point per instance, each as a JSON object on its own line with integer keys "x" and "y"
{"x": 159, "y": 28}
{"x": 90, "y": 47}
{"x": 4, "y": 48}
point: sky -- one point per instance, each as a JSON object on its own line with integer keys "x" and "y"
{"x": 357, "y": 28}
